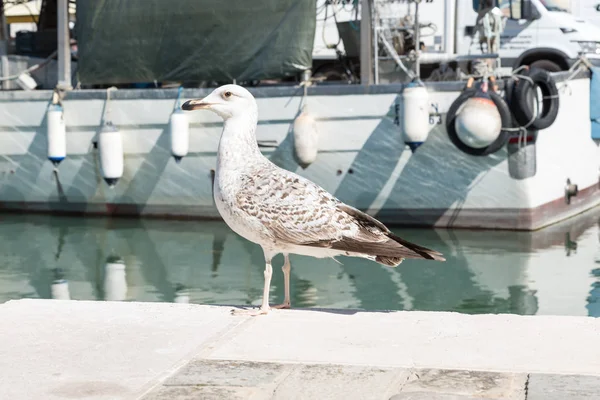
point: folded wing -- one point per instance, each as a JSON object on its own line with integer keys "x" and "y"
{"x": 295, "y": 210}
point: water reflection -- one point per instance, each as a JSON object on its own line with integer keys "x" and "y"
{"x": 552, "y": 271}
{"x": 60, "y": 287}
{"x": 115, "y": 284}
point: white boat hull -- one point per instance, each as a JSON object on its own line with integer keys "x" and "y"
{"x": 362, "y": 158}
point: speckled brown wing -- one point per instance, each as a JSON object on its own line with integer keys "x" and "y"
{"x": 295, "y": 210}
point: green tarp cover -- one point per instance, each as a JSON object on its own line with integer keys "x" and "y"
{"x": 128, "y": 41}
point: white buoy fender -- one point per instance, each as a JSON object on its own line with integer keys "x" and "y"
{"x": 306, "y": 138}
{"x": 60, "y": 290}
{"x": 478, "y": 122}
{"x": 115, "y": 284}
{"x": 110, "y": 144}
{"x": 60, "y": 287}
{"x": 415, "y": 114}
{"x": 56, "y": 134}
{"x": 179, "y": 128}
{"x": 181, "y": 295}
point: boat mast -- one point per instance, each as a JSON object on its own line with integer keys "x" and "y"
{"x": 417, "y": 40}
{"x": 366, "y": 34}
{"x": 64, "y": 45}
{"x": 3, "y": 46}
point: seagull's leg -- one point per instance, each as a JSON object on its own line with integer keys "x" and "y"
{"x": 287, "y": 267}
{"x": 264, "y": 308}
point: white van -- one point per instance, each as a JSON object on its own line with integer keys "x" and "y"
{"x": 537, "y": 32}
{"x": 588, "y": 10}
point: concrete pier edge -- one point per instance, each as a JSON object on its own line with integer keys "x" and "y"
{"x": 56, "y": 349}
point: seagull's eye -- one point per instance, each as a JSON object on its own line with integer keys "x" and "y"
{"x": 227, "y": 95}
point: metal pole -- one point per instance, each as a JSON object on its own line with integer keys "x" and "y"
{"x": 448, "y": 28}
{"x": 4, "y": 47}
{"x": 366, "y": 71}
{"x": 375, "y": 36}
{"x": 444, "y": 58}
{"x": 64, "y": 45}
{"x": 417, "y": 40}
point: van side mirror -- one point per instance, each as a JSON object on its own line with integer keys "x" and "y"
{"x": 529, "y": 11}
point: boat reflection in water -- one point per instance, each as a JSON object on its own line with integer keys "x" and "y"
{"x": 552, "y": 271}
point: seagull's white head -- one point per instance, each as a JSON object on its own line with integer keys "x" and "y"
{"x": 227, "y": 101}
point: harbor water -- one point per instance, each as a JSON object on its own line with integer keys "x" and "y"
{"x": 553, "y": 271}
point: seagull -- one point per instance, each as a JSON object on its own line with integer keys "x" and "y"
{"x": 284, "y": 212}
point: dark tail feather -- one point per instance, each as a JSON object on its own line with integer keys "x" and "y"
{"x": 390, "y": 252}
{"x": 422, "y": 251}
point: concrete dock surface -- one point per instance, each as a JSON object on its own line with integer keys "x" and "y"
{"x": 53, "y": 349}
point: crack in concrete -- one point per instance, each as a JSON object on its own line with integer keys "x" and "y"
{"x": 526, "y": 388}
{"x": 278, "y": 381}
{"x": 409, "y": 378}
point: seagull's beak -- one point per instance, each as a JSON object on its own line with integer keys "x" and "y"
{"x": 199, "y": 104}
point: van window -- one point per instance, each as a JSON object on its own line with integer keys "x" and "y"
{"x": 557, "y": 5}
{"x": 484, "y": 4}
{"x": 510, "y": 8}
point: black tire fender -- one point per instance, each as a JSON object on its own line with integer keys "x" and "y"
{"x": 505, "y": 117}
{"x": 519, "y": 100}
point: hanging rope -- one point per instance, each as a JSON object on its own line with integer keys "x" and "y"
{"x": 178, "y": 99}
{"x": 57, "y": 96}
{"x": 577, "y": 66}
{"x": 306, "y": 83}
{"x": 107, "y": 111}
